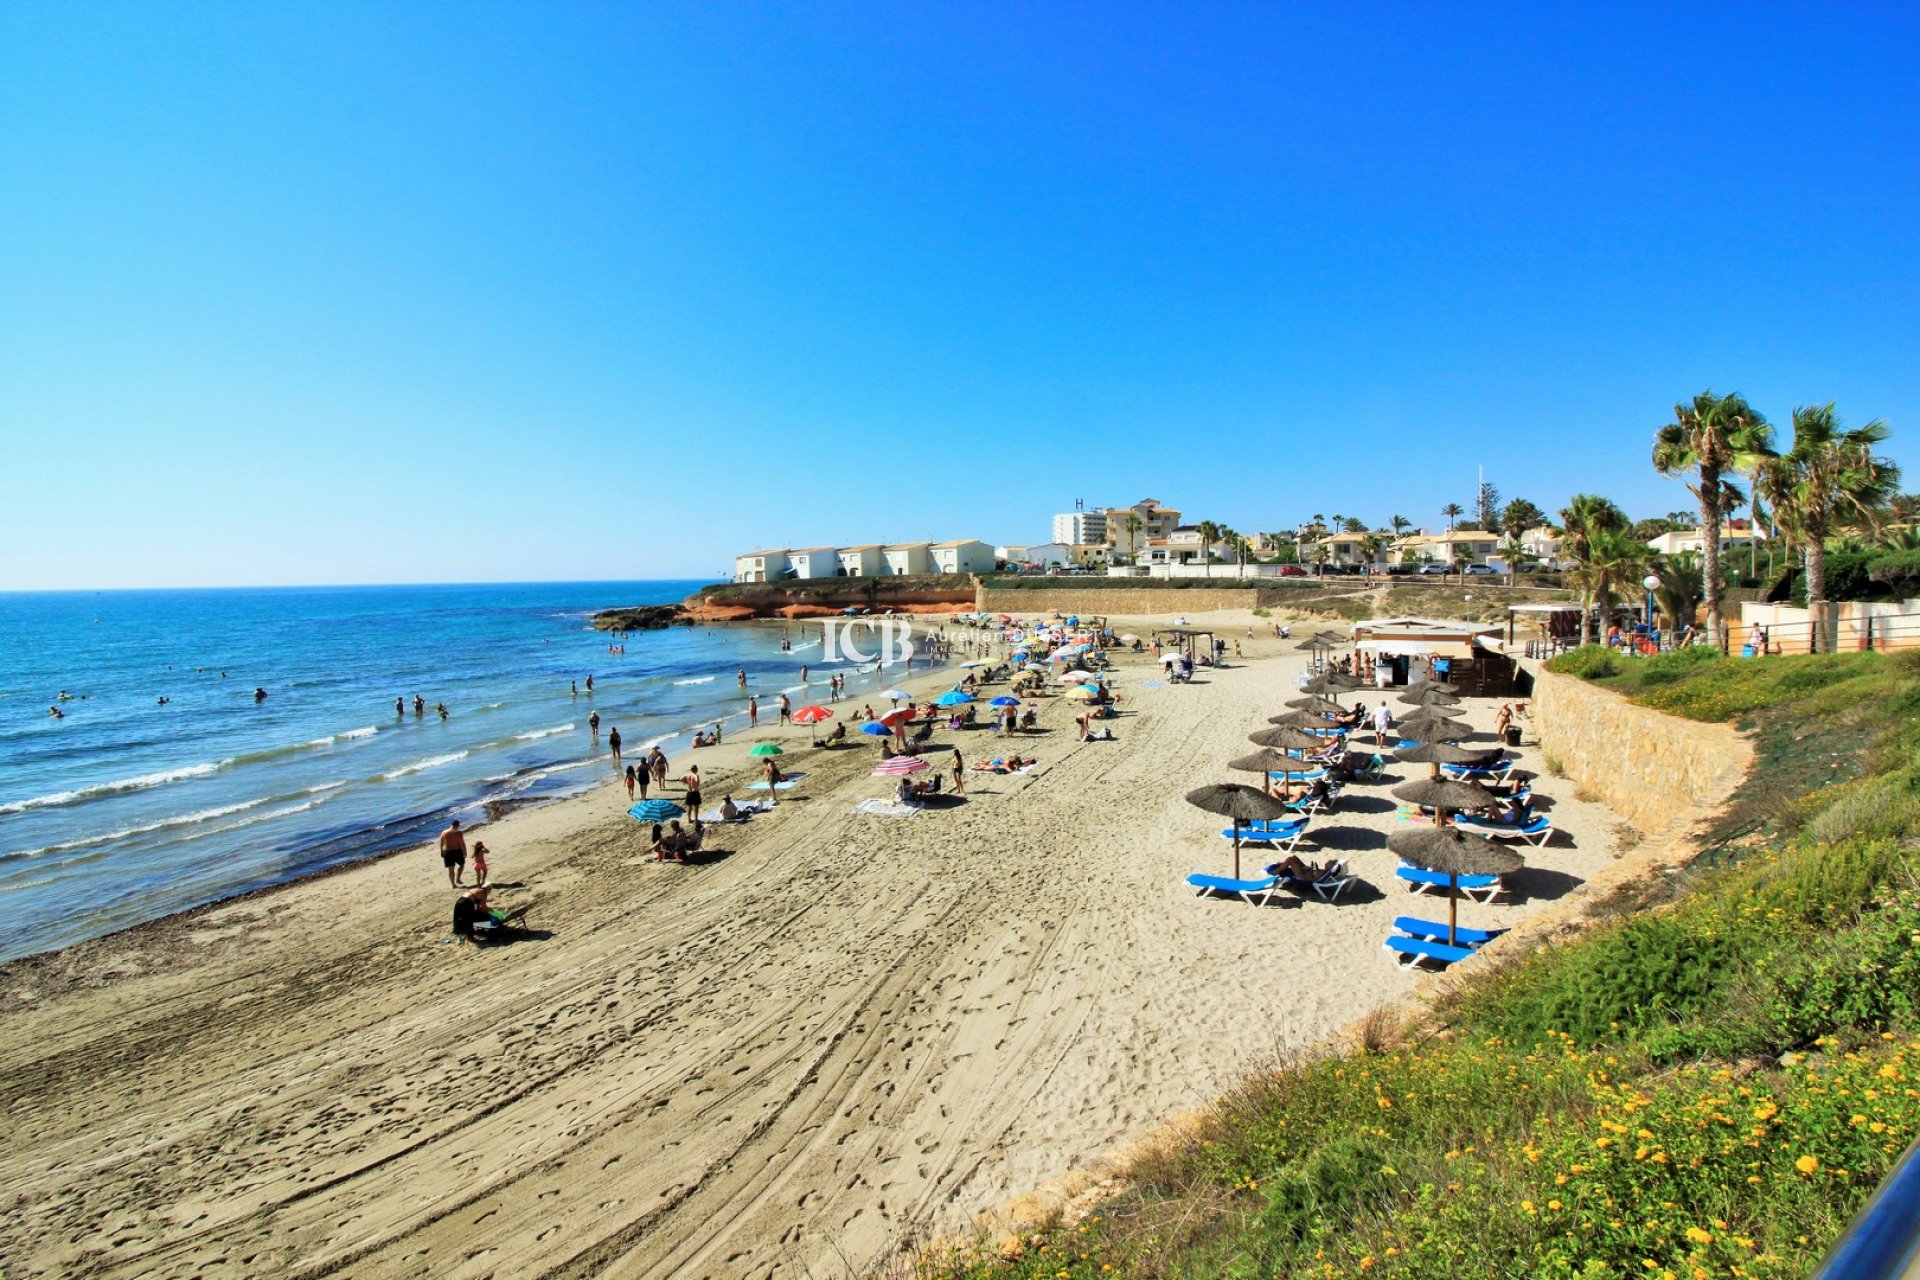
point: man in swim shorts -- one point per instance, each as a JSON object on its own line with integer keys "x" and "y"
{"x": 453, "y": 852}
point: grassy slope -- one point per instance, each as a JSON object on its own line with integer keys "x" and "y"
{"x": 1708, "y": 1089}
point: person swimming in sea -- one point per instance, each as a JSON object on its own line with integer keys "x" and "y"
{"x": 56, "y": 713}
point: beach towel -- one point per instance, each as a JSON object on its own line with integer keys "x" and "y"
{"x": 883, "y": 808}
{"x": 712, "y": 816}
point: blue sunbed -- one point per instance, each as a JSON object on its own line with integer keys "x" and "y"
{"x": 1421, "y": 880}
{"x": 1246, "y": 890}
{"x": 1413, "y": 952}
{"x": 1433, "y": 931}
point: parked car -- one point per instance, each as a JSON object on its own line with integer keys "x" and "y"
{"x": 1439, "y": 570}
{"x": 1292, "y": 571}
{"x": 1480, "y": 570}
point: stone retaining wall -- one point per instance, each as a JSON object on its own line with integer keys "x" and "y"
{"x": 1650, "y": 768}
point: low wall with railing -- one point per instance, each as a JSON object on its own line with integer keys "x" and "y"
{"x": 1650, "y": 768}
{"x": 1857, "y": 625}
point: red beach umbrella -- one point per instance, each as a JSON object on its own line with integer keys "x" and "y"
{"x": 812, "y": 716}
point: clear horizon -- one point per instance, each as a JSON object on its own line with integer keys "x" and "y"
{"x": 347, "y": 295}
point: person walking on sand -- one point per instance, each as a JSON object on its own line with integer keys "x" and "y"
{"x": 659, "y": 768}
{"x": 1382, "y": 721}
{"x": 639, "y": 778}
{"x": 692, "y": 784}
{"x": 480, "y": 862}
{"x": 613, "y": 743}
{"x": 786, "y": 709}
{"x": 959, "y": 773}
{"x": 453, "y": 852}
{"x": 753, "y": 713}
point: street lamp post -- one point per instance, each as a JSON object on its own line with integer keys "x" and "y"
{"x": 1652, "y": 583}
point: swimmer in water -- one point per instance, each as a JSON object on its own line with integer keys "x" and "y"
{"x": 165, "y": 700}
{"x": 419, "y": 705}
{"x": 400, "y": 706}
{"x": 441, "y": 707}
{"x": 56, "y": 713}
{"x": 259, "y": 695}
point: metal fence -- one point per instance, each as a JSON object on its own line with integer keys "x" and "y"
{"x": 1872, "y": 633}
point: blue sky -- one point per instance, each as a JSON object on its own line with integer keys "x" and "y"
{"x": 357, "y": 293}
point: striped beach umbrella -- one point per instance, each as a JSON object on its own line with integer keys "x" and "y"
{"x": 900, "y": 766}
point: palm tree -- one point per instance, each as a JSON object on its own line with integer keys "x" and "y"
{"x": 1370, "y": 545}
{"x": 1714, "y": 437}
{"x": 1452, "y": 511}
{"x": 1586, "y": 517}
{"x": 1679, "y": 591}
{"x": 1830, "y": 481}
{"x": 1615, "y": 559}
{"x": 1209, "y": 534}
{"x": 1133, "y": 537}
{"x": 1512, "y": 551}
{"x": 1399, "y": 524}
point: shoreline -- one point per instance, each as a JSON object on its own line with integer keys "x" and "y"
{"x": 475, "y": 812}
{"x": 841, "y": 1033}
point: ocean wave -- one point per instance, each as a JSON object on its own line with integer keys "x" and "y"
{"x": 182, "y": 820}
{"x": 420, "y": 766}
{"x": 365, "y": 731}
{"x": 697, "y": 680}
{"x": 80, "y": 795}
{"x": 543, "y": 733}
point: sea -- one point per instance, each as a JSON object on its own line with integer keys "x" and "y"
{"x": 169, "y": 782}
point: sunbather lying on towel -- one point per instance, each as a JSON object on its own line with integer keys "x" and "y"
{"x": 1308, "y": 872}
{"x": 1007, "y": 764}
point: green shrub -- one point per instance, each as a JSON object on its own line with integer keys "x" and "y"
{"x": 1589, "y": 662}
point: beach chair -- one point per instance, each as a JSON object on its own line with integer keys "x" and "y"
{"x": 1537, "y": 832}
{"x": 1411, "y": 953}
{"x": 1498, "y": 769}
{"x": 1281, "y": 836}
{"x": 1433, "y": 931}
{"x": 1255, "y": 893}
{"x": 1479, "y": 888}
{"x": 1328, "y": 887}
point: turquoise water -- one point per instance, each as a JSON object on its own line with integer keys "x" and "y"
{"x": 128, "y": 809}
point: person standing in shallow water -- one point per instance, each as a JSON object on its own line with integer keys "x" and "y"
{"x": 613, "y": 744}
{"x": 593, "y": 724}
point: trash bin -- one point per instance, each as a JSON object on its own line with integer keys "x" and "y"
{"x": 1746, "y": 651}
{"x": 1513, "y": 735}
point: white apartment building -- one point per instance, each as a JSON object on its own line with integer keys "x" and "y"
{"x": 1070, "y": 527}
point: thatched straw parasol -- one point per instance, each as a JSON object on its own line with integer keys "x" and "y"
{"x": 1453, "y": 855}
{"x": 1239, "y": 802}
{"x": 1431, "y": 726}
{"x": 1266, "y": 760}
{"x": 1300, "y": 720}
{"x": 1428, "y": 696}
{"x": 1442, "y": 794}
{"x": 1315, "y": 702}
{"x": 1286, "y": 738}
{"x": 1329, "y": 682}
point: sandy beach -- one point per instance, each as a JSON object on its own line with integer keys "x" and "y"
{"x": 841, "y": 1033}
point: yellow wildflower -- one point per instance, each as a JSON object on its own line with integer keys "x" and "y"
{"x": 1807, "y": 1164}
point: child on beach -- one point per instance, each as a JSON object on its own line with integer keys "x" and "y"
{"x": 630, "y": 780}
{"x": 479, "y": 858}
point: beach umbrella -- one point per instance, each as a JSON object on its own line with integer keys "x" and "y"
{"x": 953, "y": 698}
{"x": 1439, "y": 753}
{"x": 1076, "y": 677}
{"x": 1241, "y": 803}
{"x": 1438, "y": 718}
{"x": 1129, "y": 638}
{"x": 766, "y": 749}
{"x": 655, "y": 810}
{"x": 896, "y": 695}
{"x": 1329, "y": 682}
{"x": 900, "y": 766}
{"x": 1004, "y": 700}
{"x": 975, "y": 663}
{"x": 1172, "y": 655}
{"x": 1266, "y": 760}
{"x": 1285, "y": 739}
{"x": 1316, "y": 702}
{"x": 812, "y": 716}
{"x": 1442, "y": 794}
{"x": 1453, "y": 855}
{"x": 1427, "y": 696}
{"x": 877, "y": 729}
{"x": 1082, "y": 693}
{"x": 1299, "y": 720}
{"x": 1441, "y": 686}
